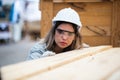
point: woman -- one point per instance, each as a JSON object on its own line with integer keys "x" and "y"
{"x": 63, "y": 36}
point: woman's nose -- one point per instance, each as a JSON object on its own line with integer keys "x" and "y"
{"x": 65, "y": 36}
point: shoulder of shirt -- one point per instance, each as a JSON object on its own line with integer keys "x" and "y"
{"x": 40, "y": 45}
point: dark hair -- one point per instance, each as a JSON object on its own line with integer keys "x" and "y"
{"x": 50, "y": 38}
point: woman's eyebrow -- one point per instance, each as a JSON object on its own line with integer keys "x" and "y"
{"x": 65, "y": 30}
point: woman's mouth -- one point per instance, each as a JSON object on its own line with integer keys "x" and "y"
{"x": 63, "y": 43}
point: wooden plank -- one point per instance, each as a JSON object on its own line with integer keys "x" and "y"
{"x": 115, "y": 75}
{"x": 96, "y": 14}
{"x": 94, "y": 8}
{"x": 96, "y": 21}
{"x": 95, "y": 30}
{"x": 59, "y": 1}
{"x": 97, "y": 40}
{"x": 31, "y": 68}
{"x": 47, "y": 15}
{"x": 101, "y": 66}
{"x": 115, "y": 39}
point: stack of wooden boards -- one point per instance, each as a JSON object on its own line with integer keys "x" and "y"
{"x": 94, "y": 63}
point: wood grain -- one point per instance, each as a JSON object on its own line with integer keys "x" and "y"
{"x": 95, "y": 67}
{"x": 31, "y": 68}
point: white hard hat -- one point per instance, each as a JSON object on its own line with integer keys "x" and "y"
{"x": 68, "y": 15}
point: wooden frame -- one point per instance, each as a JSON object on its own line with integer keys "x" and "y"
{"x": 47, "y": 8}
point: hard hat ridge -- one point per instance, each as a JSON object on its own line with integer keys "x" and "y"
{"x": 68, "y": 15}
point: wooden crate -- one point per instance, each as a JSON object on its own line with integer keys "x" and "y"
{"x": 94, "y": 63}
{"x": 100, "y": 19}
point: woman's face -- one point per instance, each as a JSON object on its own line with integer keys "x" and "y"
{"x": 64, "y": 35}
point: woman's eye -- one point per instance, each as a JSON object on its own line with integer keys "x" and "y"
{"x": 60, "y": 31}
{"x": 70, "y": 33}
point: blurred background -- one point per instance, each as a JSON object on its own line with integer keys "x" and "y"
{"x": 19, "y": 29}
{"x": 21, "y": 24}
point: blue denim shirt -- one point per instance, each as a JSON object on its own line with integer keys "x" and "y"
{"x": 39, "y": 50}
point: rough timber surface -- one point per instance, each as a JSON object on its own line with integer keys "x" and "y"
{"x": 32, "y": 68}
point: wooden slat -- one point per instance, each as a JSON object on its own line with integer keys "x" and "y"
{"x": 97, "y": 40}
{"x": 31, "y": 68}
{"x": 116, "y": 24}
{"x": 46, "y": 8}
{"x": 102, "y": 66}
